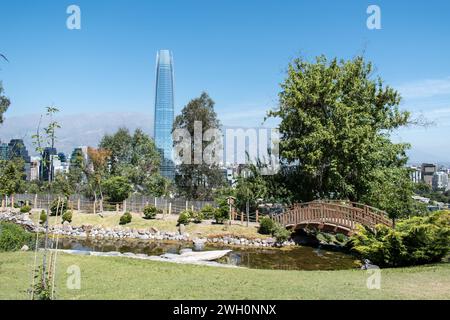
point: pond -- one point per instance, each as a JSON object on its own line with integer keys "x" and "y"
{"x": 295, "y": 258}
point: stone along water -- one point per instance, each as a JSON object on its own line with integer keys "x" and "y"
{"x": 296, "y": 258}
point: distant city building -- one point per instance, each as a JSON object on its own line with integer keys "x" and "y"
{"x": 164, "y": 111}
{"x": 34, "y": 169}
{"x": 428, "y": 171}
{"x": 440, "y": 180}
{"x": 4, "y": 151}
{"x": 415, "y": 174}
{"x": 17, "y": 149}
{"x": 46, "y": 166}
{"x": 62, "y": 157}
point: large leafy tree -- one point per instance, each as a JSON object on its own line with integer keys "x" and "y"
{"x": 336, "y": 121}
{"x": 134, "y": 157}
{"x": 198, "y": 180}
{"x": 12, "y": 177}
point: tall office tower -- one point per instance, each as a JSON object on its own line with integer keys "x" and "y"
{"x": 17, "y": 149}
{"x": 164, "y": 111}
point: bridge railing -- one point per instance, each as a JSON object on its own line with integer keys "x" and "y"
{"x": 344, "y": 214}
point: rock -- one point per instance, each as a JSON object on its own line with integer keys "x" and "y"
{"x": 86, "y": 227}
{"x": 154, "y": 230}
{"x": 186, "y": 250}
{"x": 24, "y": 248}
{"x": 181, "y": 228}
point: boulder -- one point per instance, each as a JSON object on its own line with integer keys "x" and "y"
{"x": 24, "y": 248}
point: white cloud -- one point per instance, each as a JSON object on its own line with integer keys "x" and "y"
{"x": 425, "y": 88}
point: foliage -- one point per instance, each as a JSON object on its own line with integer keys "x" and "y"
{"x": 185, "y": 217}
{"x": 62, "y": 185}
{"x": 222, "y": 212}
{"x": 335, "y": 130}
{"x": 150, "y": 212}
{"x": 414, "y": 241}
{"x": 67, "y": 216}
{"x": 58, "y": 207}
{"x": 207, "y": 211}
{"x": 77, "y": 169}
{"x": 198, "y": 180}
{"x": 96, "y": 169}
{"x": 25, "y": 209}
{"x": 197, "y": 216}
{"x": 42, "y": 217}
{"x": 14, "y": 237}
{"x": 391, "y": 190}
{"x": 125, "y": 218}
{"x": 269, "y": 226}
{"x": 117, "y": 188}
{"x": 158, "y": 186}
{"x": 280, "y": 233}
{"x": 4, "y": 103}
{"x": 133, "y": 157}
{"x": 12, "y": 176}
{"x": 266, "y": 225}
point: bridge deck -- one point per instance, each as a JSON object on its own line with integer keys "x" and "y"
{"x": 342, "y": 214}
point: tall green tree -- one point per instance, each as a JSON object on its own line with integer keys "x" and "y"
{"x": 198, "y": 180}
{"x": 12, "y": 177}
{"x": 336, "y": 121}
{"x": 134, "y": 157}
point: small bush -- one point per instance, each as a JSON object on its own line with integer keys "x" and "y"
{"x": 25, "y": 209}
{"x": 208, "y": 211}
{"x": 14, "y": 237}
{"x": 281, "y": 233}
{"x": 266, "y": 225}
{"x": 42, "y": 217}
{"x": 185, "y": 217}
{"x": 67, "y": 216}
{"x": 62, "y": 208}
{"x": 150, "y": 212}
{"x": 125, "y": 218}
{"x": 414, "y": 241}
{"x": 197, "y": 216}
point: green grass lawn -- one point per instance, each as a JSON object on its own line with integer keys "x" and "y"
{"x": 205, "y": 229}
{"x": 123, "y": 278}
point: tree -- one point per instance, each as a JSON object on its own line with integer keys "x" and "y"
{"x": 12, "y": 177}
{"x": 117, "y": 189}
{"x": 158, "y": 186}
{"x": 198, "y": 181}
{"x": 132, "y": 156}
{"x": 76, "y": 174}
{"x": 96, "y": 170}
{"x": 335, "y": 130}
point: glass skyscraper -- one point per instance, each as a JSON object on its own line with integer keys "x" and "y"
{"x": 164, "y": 111}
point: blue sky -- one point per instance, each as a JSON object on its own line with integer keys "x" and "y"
{"x": 235, "y": 50}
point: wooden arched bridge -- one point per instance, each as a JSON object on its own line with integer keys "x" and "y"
{"x": 338, "y": 216}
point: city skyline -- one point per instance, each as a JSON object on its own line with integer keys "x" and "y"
{"x": 112, "y": 75}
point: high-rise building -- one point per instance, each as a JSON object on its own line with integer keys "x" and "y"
{"x": 4, "y": 151}
{"x": 47, "y": 169}
{"x": 440, "y": 180}
{"x": 428, "y": 170}
{"x": 164, "y": 111}
{"x": 17, "y": 149}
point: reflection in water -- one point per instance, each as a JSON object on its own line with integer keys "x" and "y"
{"x": 298, "y": 258}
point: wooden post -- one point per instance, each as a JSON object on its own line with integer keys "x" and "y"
{"x": 79, "y": 204}
{"x": 12, "y": 201}
{"x": 35, "y": 201}
{"x": 117, "y": 207}
{"x": 170, "y": 208}
{"x": 192, "y": 207}
{"x": 186, "y": 205}
{"x": 124, "y": 205}
{"x": 95, "y": 204}
{"x": 257, "y": 215}
{"x": 242, "y": 218}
